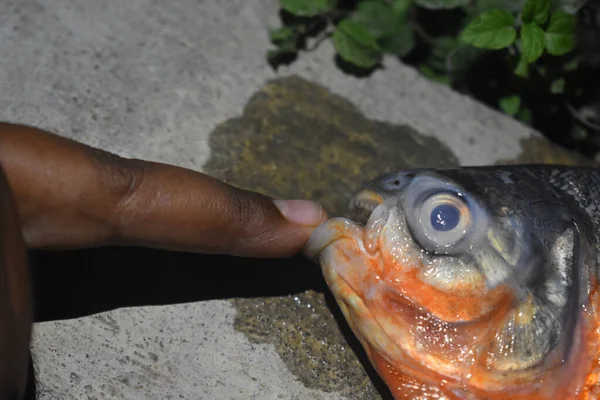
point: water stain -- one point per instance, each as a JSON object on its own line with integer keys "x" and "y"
{"x": 295, "y": 139}
{"x": 307, "y": 337}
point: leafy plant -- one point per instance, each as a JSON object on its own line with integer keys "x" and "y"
{"x": 449, "y": 41}
{"x": 363, "y": 33}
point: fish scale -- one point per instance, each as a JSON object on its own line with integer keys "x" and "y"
{"x": 583, "y": 184}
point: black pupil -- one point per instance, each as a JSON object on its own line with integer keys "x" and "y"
{"x": 445, "y": 217}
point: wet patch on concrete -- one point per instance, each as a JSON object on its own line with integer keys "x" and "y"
{"x": 539, "y": 150}
{"x": 296, "y": 139}
{"x": 308, "y": 339}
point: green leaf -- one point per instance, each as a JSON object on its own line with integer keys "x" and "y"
{"x": 525, "y": 116}
{"x": 401, "y": 42}
{"x": 542, "y": 70}
{"x": 355, "y": 44}
{"x": 441, "y": 48}
{"x": 284, "y": 39}
{"x": 492, "y": 30}
{"x": 510, "y": 104}
{"x": 377, "y": 17}
{"x": 533, "y": 42}
{"x": 286, "y": 45}
{"x": 511, "y": 6}
{"x": 560, "y": 34}
{"x": 558, "y": 86}
{"x": 441, "y": 4}
{"x": 433, "y": 75}
{"x": 522, "y": 68}
{"x": 359, "y": 33}
{"x": 307, "y": 8}
{"x": 460, "y": 59}
{"x": 536, "y": 11}
{"x": 281, "y": 34}
{"x": 572, "y": 65}
{"x": 400, "y": 7}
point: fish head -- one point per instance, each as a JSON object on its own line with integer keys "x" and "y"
{"x": 470, "y": 283}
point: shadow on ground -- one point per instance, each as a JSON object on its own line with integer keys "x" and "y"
{"x": 73, "y": 284}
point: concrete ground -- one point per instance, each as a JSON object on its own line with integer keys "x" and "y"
{"x": 163, "y": 80}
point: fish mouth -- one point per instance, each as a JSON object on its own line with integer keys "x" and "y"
{"x": 361, "y": 208}
{"x": 384, "y": 351}
{"x": 349, "y": 267}
{"x": 362, "y": 319}
{"x": 363, "y": 204}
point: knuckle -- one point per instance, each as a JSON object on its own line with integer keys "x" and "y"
{"x": 246, "y": 211}
{"x": 251, "y": 217}
{"x": 121, "y": 179}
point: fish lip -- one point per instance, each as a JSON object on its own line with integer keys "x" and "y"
{"x": 363, "y": 204}
{"x": 361, "y": 208}
{"x": 355, "y": 311}
{"x": 327, "y": 233}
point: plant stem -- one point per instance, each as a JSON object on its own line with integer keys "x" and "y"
{"x": 418, "y": 28}
{"x": 421, "y": 32}
{"x": 319, "y": 40}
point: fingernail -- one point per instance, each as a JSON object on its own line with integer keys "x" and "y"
{"x": 301, "y": 212}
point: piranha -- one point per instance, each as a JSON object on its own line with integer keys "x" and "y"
{"x": 473, "y": 282}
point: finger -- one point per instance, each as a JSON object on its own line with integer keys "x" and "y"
{"x": 64, "y": 190}
{"x": 175, "y": 208}
{"x": 71, "y": 196}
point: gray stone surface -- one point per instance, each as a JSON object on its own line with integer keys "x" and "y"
{"x": 152, "y": 79}
{"x": 188, "y": 351}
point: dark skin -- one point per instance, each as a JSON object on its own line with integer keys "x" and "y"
{"x": 61, "y": 194}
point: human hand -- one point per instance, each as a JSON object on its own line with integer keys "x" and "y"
{"x": 71, "y": 195}
{"x": 57, "y": 193}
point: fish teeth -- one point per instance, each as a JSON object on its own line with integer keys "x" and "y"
{"x": 363, "y": 204}
{"x": 375, "y": 223}
{"x": 361, "y": 210}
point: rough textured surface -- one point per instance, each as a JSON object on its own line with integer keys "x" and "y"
{"x": 181, "y": 352}
{"x": 185, "y": 82}
{"x": 153, "y": 79}
{"x": 295, "y": 139}
{"x": 308, "y": 339}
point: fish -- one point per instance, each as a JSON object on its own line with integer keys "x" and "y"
{"x": 474, "y": 282}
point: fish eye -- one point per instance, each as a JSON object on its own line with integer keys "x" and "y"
{"x": 445, "y": 218}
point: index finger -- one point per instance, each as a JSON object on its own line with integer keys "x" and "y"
{"x": 70, "y": 195}
{"x": 179, "y": 209}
